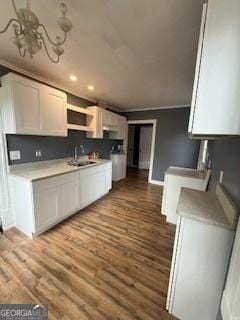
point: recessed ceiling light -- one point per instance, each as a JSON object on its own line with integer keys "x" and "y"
{"x": 72, "y": 77}
{"x": 91, "y": 87}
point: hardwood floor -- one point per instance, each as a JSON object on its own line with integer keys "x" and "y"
{"x": 109, "y": 261}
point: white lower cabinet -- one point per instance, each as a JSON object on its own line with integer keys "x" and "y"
{"x": 69, "y": 197}
{"x": 94, "y": 183}
{"x": 118, "y": 166}
{"x": 199, "y": 265}
{"x": 41, "y": 204}
{"x": 46, "y": 208}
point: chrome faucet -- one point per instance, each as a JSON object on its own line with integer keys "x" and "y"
{"x": 82, "y": 148}
{"x": 75, "y": 151}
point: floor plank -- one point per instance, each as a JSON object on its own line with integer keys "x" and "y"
{"x": 109, "y": 261}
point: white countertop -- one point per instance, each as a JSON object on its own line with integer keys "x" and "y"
{"x": 44, "y": 169}
{"x": 208, "y": 207}
{"x": 186, "y": 172}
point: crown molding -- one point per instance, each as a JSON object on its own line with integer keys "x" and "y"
{"x": 156, "y": 108}
{"x": 44, "y": 80}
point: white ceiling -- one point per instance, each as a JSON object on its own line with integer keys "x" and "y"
{"x": 137, "y": 53}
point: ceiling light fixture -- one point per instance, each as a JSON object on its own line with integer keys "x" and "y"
{"x": 91, "y": 87}
{"x": 73, "y": 77}
{"x": 29, "y": 33}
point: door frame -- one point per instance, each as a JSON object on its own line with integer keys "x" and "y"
{"x": 154, "y": 123}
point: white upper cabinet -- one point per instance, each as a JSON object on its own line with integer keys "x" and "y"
{"x": 215, "y": 108}
{"x": 121, "y": 129}
{"x": 55, "y": 115}
{"x": 102, "y": 119}
{"x": 95, "y": 122}
{"x": 29, "y": 107}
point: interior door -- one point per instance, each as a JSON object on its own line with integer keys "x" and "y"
{"x": 145, "y": 147}
{"x": 230, "y": 306}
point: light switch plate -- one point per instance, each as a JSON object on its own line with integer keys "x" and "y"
{"x": 15, "y": 155}
{"x": 221, "y": 176}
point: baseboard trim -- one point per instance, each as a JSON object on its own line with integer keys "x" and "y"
{"x": 6, "y": 227}
{"x": 159, "y": 183}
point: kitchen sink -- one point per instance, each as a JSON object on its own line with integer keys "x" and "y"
{"x": 80, "y": 163}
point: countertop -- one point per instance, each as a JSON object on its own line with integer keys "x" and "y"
{"x": 186, "y": 172}
{"x": 45, "y": 169}
{"x": 208, "y": 207}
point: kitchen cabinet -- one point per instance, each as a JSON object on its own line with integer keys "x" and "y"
{"x": 216, "y": 95}
{"x": 69, "y": 194}
{"x": 94, "y": 121}
{"x": 121, "y": 129}
{"x": 202, "y": 248}
{"x": 118, "y": 166}
{"x": 230, "y": 307}
{"x": 46, "y": 208}
{"x": 54, "y": 112}
{"x": 174, "y": 179}
{"x": 30, "y": 107}
{"x": 39, "y": 205}
{"x": 94, "y": 183}
{"x": 102, "y": 120}
{"x": 109, "y": 120}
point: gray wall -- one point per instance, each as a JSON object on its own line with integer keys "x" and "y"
{"x": 57, "y": 147}
{"x": 225, "y": 155}
{"x": 172, "y": 146}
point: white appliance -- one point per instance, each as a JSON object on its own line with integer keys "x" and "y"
{"x": 118, "y": 166}
{"x": 176, "y": 178}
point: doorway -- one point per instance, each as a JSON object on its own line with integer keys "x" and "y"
{"x": 141, "y": 145}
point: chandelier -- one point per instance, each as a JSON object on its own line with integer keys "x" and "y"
{"x": 30, "y": 36}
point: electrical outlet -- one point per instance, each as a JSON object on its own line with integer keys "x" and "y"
{"x": 15, "y": 155}
{"x": 38, "y": 153}
{"x": 221, "y": 176}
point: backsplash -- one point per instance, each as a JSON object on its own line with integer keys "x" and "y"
{"x": 58, "y": 147}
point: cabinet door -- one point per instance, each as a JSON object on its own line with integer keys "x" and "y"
{"x": 218, "y": 96}
{"x": 46, "y": 208}
{"x": 95, "y": 122}
{"x": 99, "y": 184}
{"x": 69, "y": 197}
{"x": 55, "y": 112}
{"x": 86, "y": 189}
{"x": 27, "y": 105}
{"x": 108, "y": 180}
{"x": 120, "y": 132}
{"x": 230, "y": 306}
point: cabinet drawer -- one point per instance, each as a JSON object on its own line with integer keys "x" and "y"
{"x": 90, "y": 171}
{"x": 44, "y": 184}
{"x": 68, "y": 177}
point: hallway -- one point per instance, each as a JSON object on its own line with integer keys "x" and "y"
{"x": 109, "y": 261}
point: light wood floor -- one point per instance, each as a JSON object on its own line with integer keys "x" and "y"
{"x": 110, "y": 261}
